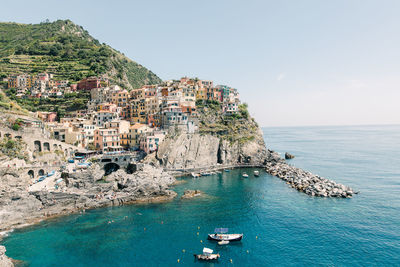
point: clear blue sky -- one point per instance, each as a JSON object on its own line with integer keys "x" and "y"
{"x": 294, "y": 62}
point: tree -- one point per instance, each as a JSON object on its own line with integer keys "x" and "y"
{"x": 16, "y": 127}
{"x": 54, "y": 51}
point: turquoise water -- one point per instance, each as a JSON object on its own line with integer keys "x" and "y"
{"x": 281, "y": 226}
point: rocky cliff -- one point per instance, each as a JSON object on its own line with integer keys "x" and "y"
{"x": 20, "y": 204}
{"x": 190, "y": 151}
{"x": 222, "y": 140}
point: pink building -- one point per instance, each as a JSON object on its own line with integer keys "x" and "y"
{"x": 107, "y": 140}
{"x": 150, "y": 143}
{"x": 47, "y": 116}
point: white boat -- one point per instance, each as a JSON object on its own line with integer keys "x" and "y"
{"x": 225, "y": 237}
{"x": 207, "y": 255}
{"x": 195, "y": 175}
{"x": 245, "y": 175}
{"x": 223, "y": 242}
{"x": 221, "y": 234}
{"x": 256, "y": 173}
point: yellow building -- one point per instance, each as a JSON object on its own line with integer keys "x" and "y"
{"x": 135, "y": 131}
{"x": 137, "y": 111}
{"x": 120, "y": 98}
{"x": 201, "y": 93}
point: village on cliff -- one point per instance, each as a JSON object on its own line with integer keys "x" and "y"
{"x": 118, "y": 120}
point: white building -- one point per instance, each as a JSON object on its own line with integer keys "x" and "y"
{"x": 101, "y": 117}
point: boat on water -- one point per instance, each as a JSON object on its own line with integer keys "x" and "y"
{"x": 227, "y": 170}
{"x": 225, "y": 237}
{"x": 205, "y": 174}
{"x": 245, "y": 175}
{"x": 207, "y": 255}
{"x": 256, "y": 173}
{"x": 220, "y": 234}
{"x": 223, "y": 242}
{"x": 195, "y": 175}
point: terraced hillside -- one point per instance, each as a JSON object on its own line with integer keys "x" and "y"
{"x": 68, "y": 51}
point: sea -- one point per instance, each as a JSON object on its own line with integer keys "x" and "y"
{"x": 281, "y": 226}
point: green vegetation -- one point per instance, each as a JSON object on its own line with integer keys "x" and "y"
{"x": 239, "y": 127}
{"x": 10, "y": 106}
{"x": 12, "y": 148}
{"x": 15, "y": 127}
{"x": 244, "y": 113}
{"x": 69, "y": 103}
{"x": 67, "y": 51}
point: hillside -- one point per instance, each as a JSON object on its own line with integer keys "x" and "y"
{"x": 68, "y": 51}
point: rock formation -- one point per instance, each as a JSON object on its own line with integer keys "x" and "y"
{"x": 191, "y": 194}
{"x": 196, "y": 151}
{"x": 79, "y": 190}
{"x": 307, "y": 182}
{"x": 4, "y": 260}
{"x": 288, "y": 156}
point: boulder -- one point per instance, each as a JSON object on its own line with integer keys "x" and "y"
{"x": 288, "y": 156}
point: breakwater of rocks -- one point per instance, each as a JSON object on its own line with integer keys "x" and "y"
{"x": 307, "y": 182}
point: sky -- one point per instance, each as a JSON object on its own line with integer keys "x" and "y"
{"x": 296, "y": 63}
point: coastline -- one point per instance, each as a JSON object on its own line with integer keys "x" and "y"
{"x": 169, "y": 195}
{"x": 37, "y": 219}
{"x": 278, "y": 169}
{"x": 274, "y": 167}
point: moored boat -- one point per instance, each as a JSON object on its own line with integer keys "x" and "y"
{"x": 256, "y": 173}
{"x": 225, "y": 237}
{"x": 245, "y": 175}
{"x": 207, "y": 255}
{"x": 195, "y": 175}
{"x": 223, "y": 242}
{"x": 220, "y": 234}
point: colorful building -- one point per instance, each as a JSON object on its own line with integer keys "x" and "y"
{"x": 107, "y": 140}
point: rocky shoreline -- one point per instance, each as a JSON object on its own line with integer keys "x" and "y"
{"x": 4, "y": 260}
{"x": 307, "y": 182}
{"x": 191, "y": 194}
{"x": 20, "y": 207}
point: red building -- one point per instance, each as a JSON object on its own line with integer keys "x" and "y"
{"x": 90, "y": 83}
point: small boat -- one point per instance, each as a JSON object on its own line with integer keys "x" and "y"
{"x": 225, "y": 237}
{"x": 205, "y": 174}
{"x": 41, "y": 178}
{"x": 220, "y": 234}
{"x": 256, "y": 173}
{"x": 223, "y": 242}
{"x": 207, "y": 255}
{"x": 245, "y": 175}
{"x": 195, "y": 175}
{"x": 227, "y": 170}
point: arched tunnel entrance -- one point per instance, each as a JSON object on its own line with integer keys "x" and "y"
{"x": 31, "y": 174}
{"x": 41, "y": 172}
{"x": 131, "y": 168}
{"x": 111, "y": 167}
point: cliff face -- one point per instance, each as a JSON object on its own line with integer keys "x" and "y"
{"x": 222, "y": 140}
{"x": 187, "y": 151}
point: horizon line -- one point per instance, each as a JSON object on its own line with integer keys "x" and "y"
{"x": 330, "y": 125}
